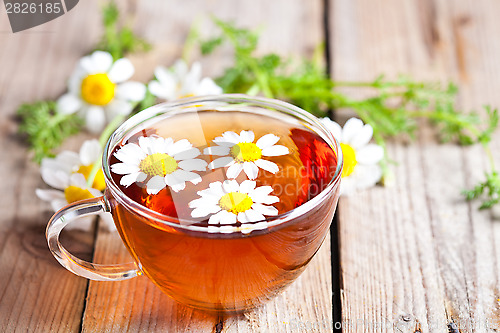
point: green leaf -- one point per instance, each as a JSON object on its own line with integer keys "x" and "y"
{"x": 44, "y": 128}
{"x": 116, "y": 40}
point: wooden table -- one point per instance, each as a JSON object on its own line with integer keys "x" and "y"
{"x": 410, "y": 257}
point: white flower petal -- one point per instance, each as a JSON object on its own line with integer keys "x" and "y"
{"x": 187, "y": 176}
{"x": 190, "y": 80}
{"x": 204, "y": 211}
{"x": 215, "y": 219}
{"x": 187, "y": 154}
{"x": 267, "y": 165}
{"x": 275, "y": 151}
{"x": 333, "y": 127}
{"x": 228, "y": 137}
{"x": 158, "y": 90}
{"x": 95, "y": 119}
{"x": 365, "y": 176}
{"x": 267, "y": 140}
{"x": 253, "y": 216}
{"x": 131, "y": 178}
{"x": 131, "y": 153}
{"x": 55, "y": 178}
{"x": 178, "y": 186}
{"x": 220, "y": 162}
{"x": 204, "y": 201}
{"x": 118, "y": 107}
{"x": 57, "y": 204}
{"x": 227, "y": 218}
{"x": 77, "y": 179}
{"x": 351, "y": 129}
{"x": 362, "y": 137}
{"x": 370, "y": 154}
{"x": 180, "y": 68}
{"x": 251, "y": 170}
{"x": 90, "y": 152}
{"x": 97, "y": 62}
{"x": 230, "y": 186}
{"x": 49, "y": 195}
{"x": 214, "y": 189}
{"x": 175, "y": 183}
{"x": 146, "y": 144}
{"x": 247, "y": 228}
{"x": 68, "y": 104}
{"x": 193, "y": 165}
{"x": 216, "y": 150}
{"x": 75, "y": 80}
{"x": 247, "y": 186}
{"x": 179, "y": 146}
{"x": 121, "y": 70}
{"x": 234, "y": 170}
{"x": 247, "y": 136}
{"x": 265, "y": 210}
{"x": 207, "y": 86}
{"x": 155, "y": 185}
{"x": 165, "y": 77}
{"x": 131, "y": 91}
{"x": 224, "y": 142}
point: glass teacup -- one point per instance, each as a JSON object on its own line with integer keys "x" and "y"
{"x": 222, "y": 201}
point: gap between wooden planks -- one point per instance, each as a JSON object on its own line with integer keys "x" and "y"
{"x": 415, "y": 257}
{"x": 137, "y": 305}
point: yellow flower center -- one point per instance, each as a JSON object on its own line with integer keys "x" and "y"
{"x": 349, "y": 159}
{"x": 158, "y": 164}
{"x": 75, "y": 193}
{"x": 98, "y": 183}
{"x": 97, "y": 89}
{"x": 235, "y": 202}
{"x": 246, "y": 152}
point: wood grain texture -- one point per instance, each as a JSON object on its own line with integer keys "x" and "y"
{"x": 137, "y": 305}
{"x": 415, "y": 257}
{"x": 36, "y": 293}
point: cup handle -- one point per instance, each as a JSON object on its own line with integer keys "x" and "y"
{"x": 98, "y": 272}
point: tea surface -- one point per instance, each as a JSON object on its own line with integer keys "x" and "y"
{"x": 301, "y": 173}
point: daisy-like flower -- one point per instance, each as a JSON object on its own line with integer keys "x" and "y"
{"x": 98, "y": 92}
{"x": 361, "y": 158}
{"x": 243, "y": 154}
{"x": 163, "y": 161}
{"x": 179, "y": 82}
{"x": 230, "y": 202}
{"x": 68, "y": 173}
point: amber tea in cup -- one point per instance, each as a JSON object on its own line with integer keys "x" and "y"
{"x": 221, "y": 201}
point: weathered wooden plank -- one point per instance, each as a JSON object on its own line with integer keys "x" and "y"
{"x": 137, "y": 305}
{"x": 415, "y": 256}
{"x": 36, "y": 293}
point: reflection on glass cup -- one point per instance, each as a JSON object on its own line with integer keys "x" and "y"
{"x": 245, "y": 221}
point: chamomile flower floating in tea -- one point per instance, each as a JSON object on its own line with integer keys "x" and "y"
{"x": 162, "y": 162}
{"x": 179, "y": 82}
{"x": 68, "y": 173}
{"x": 242, "y": 154}
{"x": 230, "y": 202}
{"x": 361, "y": 158}
{"x": 98, "y": 92}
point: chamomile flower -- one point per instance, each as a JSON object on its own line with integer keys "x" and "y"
{"x": 98, "y": 90}
{"x": 361, "y": 158}
{"x": 178, "y": 82}
{"x": 229, "y": 202}
{"x": 242, "y": 154}
{"x": 67, "y": 173}
{"x": 162, "y": 162}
